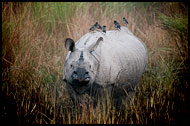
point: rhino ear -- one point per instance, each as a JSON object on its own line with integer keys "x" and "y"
{"x": 70, "y": 44}
{"x": 94, "y": 46}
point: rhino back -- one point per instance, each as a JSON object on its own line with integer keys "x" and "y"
{"x": 122, "y": 56}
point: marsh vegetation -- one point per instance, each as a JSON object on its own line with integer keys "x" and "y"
{"x": 33, "y": 55}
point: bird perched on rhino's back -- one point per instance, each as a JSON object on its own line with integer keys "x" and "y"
{"x": 92, "y": 28}
{"x": 116, "y": 25}
{"x": 125, "y": 20}
{"x": 104, "y": 29}
{"x": 98, "y": 26}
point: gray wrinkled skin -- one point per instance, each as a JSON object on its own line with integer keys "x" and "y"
{"x": 116, "y": 58}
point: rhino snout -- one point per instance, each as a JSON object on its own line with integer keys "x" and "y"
{"x": 80, "y": 77}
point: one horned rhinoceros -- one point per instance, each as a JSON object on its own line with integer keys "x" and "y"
{"x": 115, "y": 59}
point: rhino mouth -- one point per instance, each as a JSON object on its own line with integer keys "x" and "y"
{"x": 81, "y": 86}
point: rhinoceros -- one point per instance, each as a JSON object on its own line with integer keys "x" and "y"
{"x": 98, "y": 60}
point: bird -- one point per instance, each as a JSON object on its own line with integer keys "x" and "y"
{"x": 92, "y": 28}
{"x": 125, "y": 20}
{"x": 98, "y": 26}
{"x": 116, "y": 25}
{"x": 104, "y": 29}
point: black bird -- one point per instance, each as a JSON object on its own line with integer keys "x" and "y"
{"x": 116, "y": 25}
{"x": 125, "y": 20}
{"x": 104, "y": 29}
{"x": 92, "y": 28}
{"x": 98, "y": 26}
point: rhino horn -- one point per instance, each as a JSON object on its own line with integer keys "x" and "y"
{"x": 81, "y": 59}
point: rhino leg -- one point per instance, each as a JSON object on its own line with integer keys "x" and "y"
{"x": 116, "y": 97}
{"x": 96, "y": 93}
{"x": 121, "y": 95}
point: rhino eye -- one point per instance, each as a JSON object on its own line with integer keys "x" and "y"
{"x": 90, "y": 66}
{"x": 71, "y": 65}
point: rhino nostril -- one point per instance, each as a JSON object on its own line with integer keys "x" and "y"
{"x": 75, "y": 72}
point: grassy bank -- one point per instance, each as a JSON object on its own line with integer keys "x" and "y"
{"x": 33, "y": 56}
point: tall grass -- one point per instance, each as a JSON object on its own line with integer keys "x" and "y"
{"x": 33, "y": 56}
